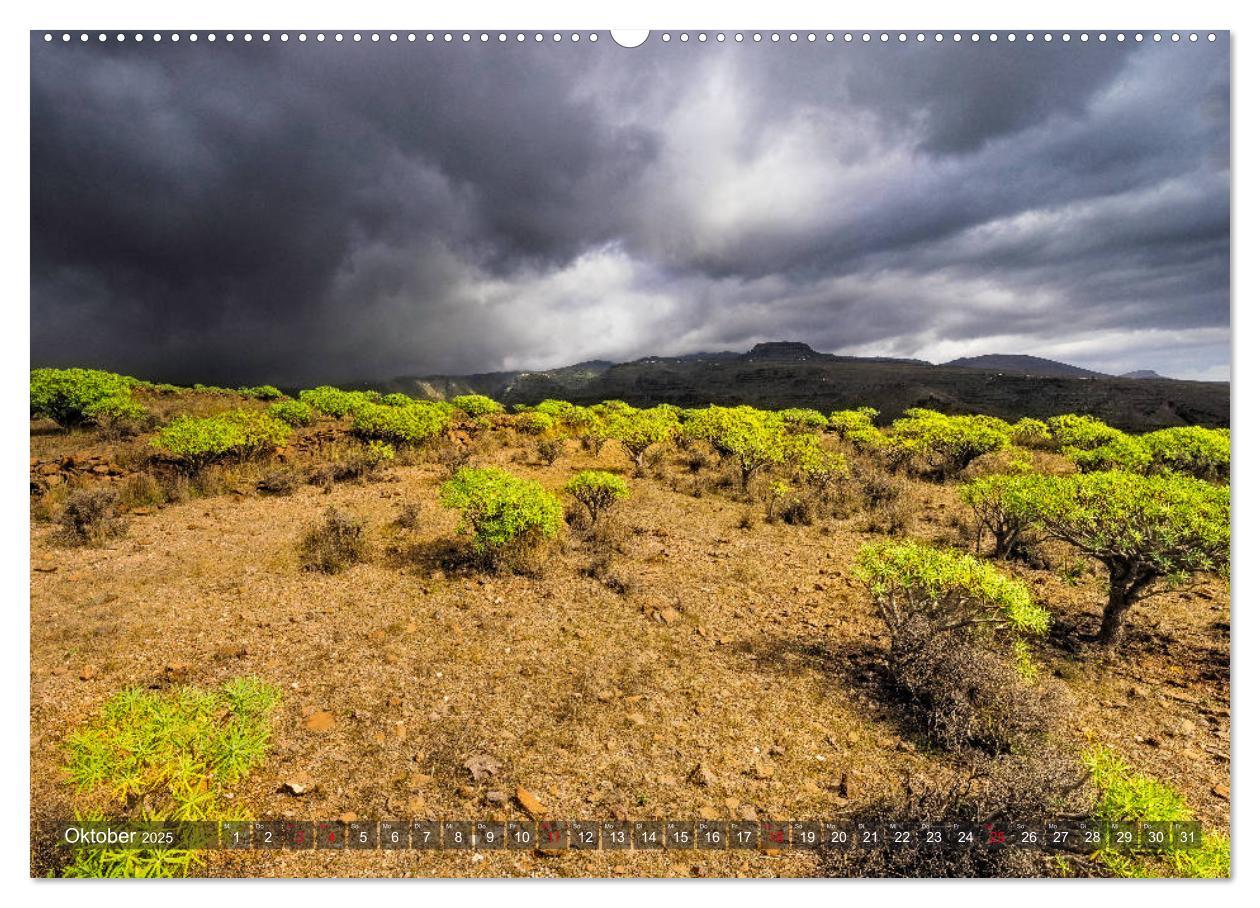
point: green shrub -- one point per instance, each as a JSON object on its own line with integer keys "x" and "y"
{"x": 1031, "y": 433}
{"x": 1141, "y": 528}
{"x": 292, "y": 412}
{"x": 638, "y": 430}
{"x": 118, "y": 415}
{"x": 68, "y": 396}
{"x": 171, "y": 755}
{"x": 503, "y": 513}
{"x": 197, "y": 441}
{"x": 1123, "y": 452}
{"x": 1081, "y": 432}
{"x": 476, "y": 404}
{"x": 413, "y": 424}
{"x": 333, "y": 401}
{"x": 534, "y": 423}
{"x": 858, "y": 428}
{"x": 263, "y": 392}
{"x": 1193, "y": 450}
{"x": 397, "y": 399}
{"x": 947, "y": 444}
{"x": 752, "y": 439}
{"x": 989, "y": 500}
{"x": 950, "y": 590}
{"x": 597, "y": 491}
{"x": 801, "y": 419}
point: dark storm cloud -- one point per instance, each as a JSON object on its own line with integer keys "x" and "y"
{"x": 301, "y": 212}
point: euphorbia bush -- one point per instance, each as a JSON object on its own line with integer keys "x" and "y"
{"x": 476, "y": 404}
{"x": 292, "y": 412}
{"x": 68, "y": 396}
{"x": 752, "y": 439}
{"x": 597, "y": 490}
{"x": 413, "y": 424}
{"x": 947, "y": 444}
{"x": 1193, "y": 450}
{"x": 801, "y": 419}
{"x": 502, "y": 511}
{"x": 198, "y": 441}
{"x": 263, "y": 392}
{"x": 638, "y": 430}
{"x": 909, "y": 581}
{"x": 335, "y": 402}
{"x": 1142, "y": 529}
{"x": 1081, "y": 432}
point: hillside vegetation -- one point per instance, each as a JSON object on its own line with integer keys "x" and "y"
{"x": 474, "y": 608}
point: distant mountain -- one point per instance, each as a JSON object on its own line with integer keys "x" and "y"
{"x": 1018, "y": 364}
{"x": 1142, "y": 374}
{"x": 792, "y": 374}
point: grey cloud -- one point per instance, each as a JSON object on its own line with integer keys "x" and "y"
{"x": 298, "y": 213}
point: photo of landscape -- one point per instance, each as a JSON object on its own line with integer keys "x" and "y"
{"x": 745, "y": 454}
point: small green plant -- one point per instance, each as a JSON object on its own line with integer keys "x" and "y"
{"x": 503, "y": 513}
{"x": 170, "y": 755}
{"x": 597, "y": 491}
{"x": 1031, "y": 433}
{"x": 1193, "y": 450}
{"x": 292, "y": 412}
{"x": 334, "y": 544}
{"x": 531, "y": 422}
{"x": 397, "y": 399}
{"x": 476, "y": 404}
{"x": 1123, "y": 452}
{"x": 988, "y": 498}
{"x": 413, "y": 424}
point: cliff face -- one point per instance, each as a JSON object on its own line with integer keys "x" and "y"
{"x": 788, "y": 374}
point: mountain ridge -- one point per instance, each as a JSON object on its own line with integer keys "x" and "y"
{"x": 781, "y": 374}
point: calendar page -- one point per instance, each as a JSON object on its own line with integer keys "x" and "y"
{"x": 698, "y": 453}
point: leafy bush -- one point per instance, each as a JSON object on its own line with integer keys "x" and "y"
{"x": 1123, "y": 452}
{"x": 170, "y": 755}
{"x": 1193, "y": 450}
{"x": 68, "y": 396}
{"x": 263, "y": 392}
{"x": 952, "y": 591}
{"x": 476, "y": 404}
{"x": 638, "y": 430}
{"x": 597, "y": 491}
{"x": 197, "y": 441}
{"x": 1080, "y": 432}
{"x": 413, "y": 424}
{"x": 292, "y": 412}
{"x": 397, "y": 399}
{"x": 1141, "y": 528}
{"x": 944, "y": 612}
{"x": 752, "y": 439}
{"x": 118, "y": 415}
{"x": 534, "y": 423}
{"x": 333, "y": 401}
{"x": 333, "y": 545}
{"x": 506, "y": 516}
{"x": 800, "y": 419}
{"x": 947, "y": 444}
{"x": 90, "y": 516}
{"x": 988, "y": 498}
{"x": 1031, "y": 433}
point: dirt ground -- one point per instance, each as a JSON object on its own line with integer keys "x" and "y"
{"x": 750, "y": 650}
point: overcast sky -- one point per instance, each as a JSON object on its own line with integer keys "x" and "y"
{"x": 299, "y": 213}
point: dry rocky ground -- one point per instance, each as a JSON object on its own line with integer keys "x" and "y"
{"x": 748, "y": 651}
